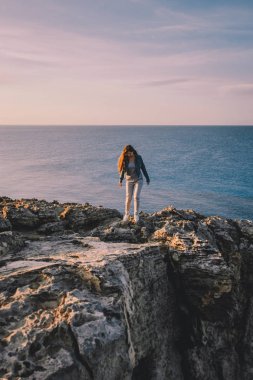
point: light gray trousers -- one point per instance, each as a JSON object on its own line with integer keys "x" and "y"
{"x": 133, "y": 188}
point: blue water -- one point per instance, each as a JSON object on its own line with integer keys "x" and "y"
{"x": 209, "y": 169}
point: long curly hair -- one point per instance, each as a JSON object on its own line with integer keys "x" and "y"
{"x": 122, "y": 157}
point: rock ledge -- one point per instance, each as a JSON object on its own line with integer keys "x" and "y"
{"x": 85, "y": 296}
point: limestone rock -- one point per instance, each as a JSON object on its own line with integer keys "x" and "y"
{"x": 246, "y": 227}
{"x": 86, "y": 217}
{"x": 32, "y": 214}
{"x": 21, "y": 217}
{"x": 168, "y": 298}
{"x": 89, "y": 313}
{"x": 53, "y": 227}
{"x": 121, "y": 231}
{"x": 10, "y": 243}
{"x": 5, "y": 225}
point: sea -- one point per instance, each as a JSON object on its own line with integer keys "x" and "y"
{"x": 208, "y": 169}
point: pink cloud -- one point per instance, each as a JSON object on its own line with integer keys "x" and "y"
{"x": 245, "y": 89}
{"x": 71, "y": 77}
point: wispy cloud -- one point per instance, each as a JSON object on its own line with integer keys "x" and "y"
{"x": 46, "y": 47}
{"x": 222, "y": 21}
{"x": 165, "y": 82}
{"x": 108, "y": 64}
{"x": 244, "y": 89}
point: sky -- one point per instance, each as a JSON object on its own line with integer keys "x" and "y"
{"x": 126, "y": 62}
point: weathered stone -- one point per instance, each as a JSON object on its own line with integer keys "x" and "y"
{"x": 21, "y": 217}
{"x": 68, "y": 310}
{"x": 246, "y": 227}
{"x": 121, "y": 231}
{"x": 32, "y": 214}
{"x": 87, "y": 217}
{"x": 54, "y": 227}
{"x": 10, "y": 243}
{"x": 168, "y": 298}
{"x": 5, "y": 225}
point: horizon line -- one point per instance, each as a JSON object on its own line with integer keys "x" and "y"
{"x": 126, "y": 125}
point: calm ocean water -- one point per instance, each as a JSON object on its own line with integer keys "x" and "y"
{"x": 209, "y": 169}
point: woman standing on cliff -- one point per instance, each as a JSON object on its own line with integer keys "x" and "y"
{"x": 131, "y": 166}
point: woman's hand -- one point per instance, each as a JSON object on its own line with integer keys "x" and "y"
{"x": 120, "y": 184}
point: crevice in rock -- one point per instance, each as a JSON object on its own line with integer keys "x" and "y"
{"x": 184, "y": 316}
{"x": 65, "y": 374}
{"x": 144, "y": 369}
{"x": 79, "y": 357}
{"x": 245, "y": 290}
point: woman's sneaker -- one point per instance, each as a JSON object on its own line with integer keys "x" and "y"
{"x": 136, "y": 218}
{"x": 125, "y": 218}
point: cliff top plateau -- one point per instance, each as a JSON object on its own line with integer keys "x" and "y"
{"x": 85, "y": 296}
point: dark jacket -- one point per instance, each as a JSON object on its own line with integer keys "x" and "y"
{"x": 139, "y": 166}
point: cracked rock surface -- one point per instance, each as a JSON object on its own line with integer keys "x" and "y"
{"x": 85, "y": 296}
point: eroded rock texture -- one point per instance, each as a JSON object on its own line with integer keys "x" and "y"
{"x": 85, "y": 296}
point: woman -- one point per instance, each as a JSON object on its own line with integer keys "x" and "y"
{"x": 130, "y": 165}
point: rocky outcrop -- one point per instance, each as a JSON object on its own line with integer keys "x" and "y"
{"x": 52, "y": 217}
{"x": 86, "y": 296}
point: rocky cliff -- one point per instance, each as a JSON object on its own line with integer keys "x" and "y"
{"x": 85, "y": 296}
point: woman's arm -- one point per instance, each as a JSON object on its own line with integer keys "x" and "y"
{"x": 122, "y": 175}
{"x": 144, "y": 171}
